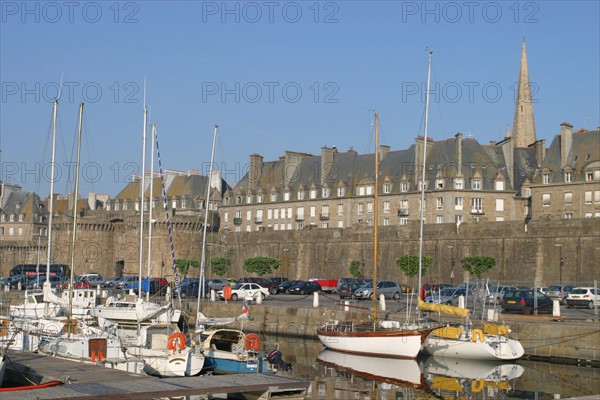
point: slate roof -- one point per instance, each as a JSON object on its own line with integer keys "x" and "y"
{"x": 585, "y": 149}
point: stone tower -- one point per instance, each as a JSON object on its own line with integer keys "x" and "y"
{"x": 523, "y": 124}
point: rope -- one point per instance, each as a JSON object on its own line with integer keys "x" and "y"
{"x": 169, "y": 228}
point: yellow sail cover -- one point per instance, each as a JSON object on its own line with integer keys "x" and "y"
{"x": 443, "y": 308}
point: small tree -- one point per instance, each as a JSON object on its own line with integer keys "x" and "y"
{"x": 478, "y": 265}
{"x": 184, "y": 264}
{"x": 410, "y": 265}
{"x": 260, "y": 265}
{"x": 219, "y": 265}
{"x": 355, "y": 269}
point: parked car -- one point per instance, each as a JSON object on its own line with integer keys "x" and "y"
{"x": 263, "y": 282}
{"x": 360, "y": 280}
{"x": 13, "y": 281}
{"x": 154, "y": 285}
{"x": 523, "y": 300}
{"x": 497, "y": 293}
{"x": 559, "y": 292}
{"x": 33, "y": 282}
{"x": 191, "y": 289}
{"x": 304, "y": 287}
{"x": 427, "y": 289}
{"x": 110, "y": 282}
{"x": 389, "y": 289}
{"x": 584, "y": 296}
{"x": 346, "y": 290}
{"x": 284, "y": 286}
{"x": 217, "y": 283}
{"x": 126, "y": 280}
{"x": 245, "y": 290}
{"x": 450, "y": 295}
{"x": 278, "y": 280}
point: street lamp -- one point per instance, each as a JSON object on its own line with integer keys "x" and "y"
{"x": 561, "y": 262}
{"x": 452, "y": 265}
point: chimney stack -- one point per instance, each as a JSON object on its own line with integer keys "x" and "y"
{"x": 566, "y": 138}
{"x": 326, "y": 163}
{"x": 256, "y": 163}
{"x": 383, "y": 151}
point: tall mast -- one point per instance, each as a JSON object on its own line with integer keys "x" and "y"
{"x": 153, "y": 133}
{"x": 206, "y": 203}
{"x": 376, "y": 217}
{"x": 422, "y": 208}
{"x": 51, "y": 202}
{"x": 75, "y": 199}
{"x": 142, "y": 185}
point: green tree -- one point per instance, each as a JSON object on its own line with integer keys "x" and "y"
{"x": 355, "y": 269}
{"x": 184, "y": 264}
{"x": 409, "y": 264}
{"x": 478, "y": 265}
{"x": 219, "y": 265}
{"x": 260, "y": 265}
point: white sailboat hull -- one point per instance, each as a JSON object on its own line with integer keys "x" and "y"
{"x": 494, "y": 347}
{"x": 186, "y": 362}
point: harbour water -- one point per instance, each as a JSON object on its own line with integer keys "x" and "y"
{"x": 337, "y": 376}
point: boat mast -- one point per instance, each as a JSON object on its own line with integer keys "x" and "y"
{"x": 150, "y": 209}
{"x": 206, "y": 208}
{"x": 376, "y": 217}
{"x": 422, "y": 208}
{"x": 75, "y": 199}
{"x": 51, "y": 202}
{"x": 142, "y": 185}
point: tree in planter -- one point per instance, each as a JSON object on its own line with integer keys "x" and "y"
{"x": 184, "y": 264}
{"x": 478, "y": 265}
{"x": 260, "y": 265}
{"x": 409, "y": 264}
{"x": 219, "y": 265}
{"x": 355, "y": 269}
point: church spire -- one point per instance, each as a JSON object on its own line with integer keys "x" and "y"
{"x": 523, "y": 125}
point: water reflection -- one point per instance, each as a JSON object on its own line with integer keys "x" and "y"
{"x": 335, "y": 375}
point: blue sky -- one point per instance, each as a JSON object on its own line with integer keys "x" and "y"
{"x": 278, "y": 76}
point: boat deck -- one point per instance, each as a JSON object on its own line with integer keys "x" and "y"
{"x": 96, "y": 382}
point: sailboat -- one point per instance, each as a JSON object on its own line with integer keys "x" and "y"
{"x": 384, "y": 338}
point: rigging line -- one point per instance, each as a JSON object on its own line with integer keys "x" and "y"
{"x": 169, "y": 227}
{"x": 42, "y": 166}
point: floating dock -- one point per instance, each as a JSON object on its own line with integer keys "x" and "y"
{"x": 87, "y": 381}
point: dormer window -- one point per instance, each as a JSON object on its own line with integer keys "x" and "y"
{"x": 313, "y": 193}
{"x": 499, "y": 185}
{"x": 248, "y": 199}
{"x": 326, "y": 192}
{"x": 287, "y": 196}
{"x": 526, "y": 192}
{"x": 2, "y": 218}
{"x": 21, "y": 217}
{"x": 439, "y": 184}
{"x": 300, "y": 194}
{"x": 422, "y": 186}
{"x": 476, "y": 184}
{"x": 568, "y": 177}
{"x": 274, "y": 196}
{"x": 174, "y": 204}
{"x": 404, "y": 186}
{"x": 259, "y": 198}
{"x": 387, "y": 188}
{"x": 545, "y": 179}
{"x": 341, "y": 192}
{"x": 238, "y": 200}
{"x": 458, "y": 183}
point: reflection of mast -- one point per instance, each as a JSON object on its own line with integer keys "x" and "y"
{"x": 76, "y": 198}
{"x": 206, "y": 207}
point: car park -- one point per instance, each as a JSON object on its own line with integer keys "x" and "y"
{"x": 38, "y": 282}
{"x": 526, "y": 301}
{"x": 346, "y": 290}
{"x": 304, "y": 287}
{"x": 247, "y": 290}
{"x": 126, "y": 280}
{"x": 190, "y": 289}
{"x": 390, "y": 289}
{"x": 559, "y": 292}
{"x": 584, "y": 296}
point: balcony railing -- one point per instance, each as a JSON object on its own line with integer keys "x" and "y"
{"x": 299, "y": 217}
{"x": 237, "y": 221}
{"x": 402, "y": 211}
{"x": 258, "y": 220}
{"x": 323, "y": 217}
{"x": 477, "y": 211}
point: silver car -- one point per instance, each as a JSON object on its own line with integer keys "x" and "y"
{"x": 497, "y": 294}
{"x": 390, "y": 289}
